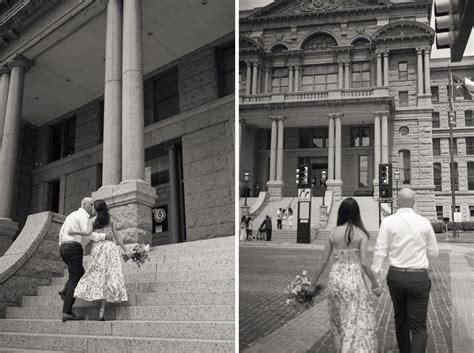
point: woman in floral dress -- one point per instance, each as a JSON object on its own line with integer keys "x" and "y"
{"x": 350, "y": 305}
{"x": 103, "y": 279}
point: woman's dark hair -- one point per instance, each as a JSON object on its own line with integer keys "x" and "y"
{"x": 349, "y": 214}
{"x": 103, "y": 217}
{"x": 290, "y": 210}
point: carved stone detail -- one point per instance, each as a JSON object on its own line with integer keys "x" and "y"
{"x": 319, "y": 41}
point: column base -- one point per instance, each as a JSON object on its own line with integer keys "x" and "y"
{"x": 336, "y": 187}
{"x": 275, "y": 189}
{"x": 8, "y": 230}
{"x": 130, "y": 205}
{"x": 323, "y": 216}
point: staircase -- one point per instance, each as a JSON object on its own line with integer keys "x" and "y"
{"x": 181, "y": 301}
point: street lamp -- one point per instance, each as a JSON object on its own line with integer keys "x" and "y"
{"x": 397, "y": 176}
{"x": 246, "y": 179}
{"x": 323, "y": 183}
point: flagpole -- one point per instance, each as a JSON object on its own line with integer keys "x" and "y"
{"x": 451, "y": 119}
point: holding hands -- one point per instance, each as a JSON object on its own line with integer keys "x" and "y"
{"x": 377, "y": 289}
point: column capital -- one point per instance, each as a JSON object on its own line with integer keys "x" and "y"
{"x": 267, "y": 68}
{"x": 4, "y": 70}
{"x": 379, "y": 52}
{"x": 278, "y": 118}
{"x": 20, "y": 61}
{"x": 386, "y": 52}
{"x": 381, "y": 113}
{"x": 419, "y": 51}
{"x": 339, "y": 115}
{"x": 340, "y": 62}
{"x": 427, "y": 50}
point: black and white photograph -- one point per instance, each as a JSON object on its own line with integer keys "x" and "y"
{"x": 356, "y": 176}
{"x": 117, "y": 165}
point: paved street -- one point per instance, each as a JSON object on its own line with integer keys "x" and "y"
{"x": 268, "y": 325}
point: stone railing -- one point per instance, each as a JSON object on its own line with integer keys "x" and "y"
{"x": 31, "y": 260}
{"x": 336, "y": 94}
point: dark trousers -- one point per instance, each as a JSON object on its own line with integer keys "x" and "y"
{"x": 72, "y": 255}
{"x": 410, "y": 292}
{"x": 279, "y": 224}
{"x": 269, "y": 234}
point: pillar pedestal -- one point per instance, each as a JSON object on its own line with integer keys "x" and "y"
{"x": 275, "y": 189}
{"x": 336, "y": 187}
{"x": 323, "y": 216}
{"x": 8, "y": 230}
{"x": 130, "y": 206}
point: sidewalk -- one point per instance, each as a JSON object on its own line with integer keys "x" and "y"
{"x": 265, "y": 269}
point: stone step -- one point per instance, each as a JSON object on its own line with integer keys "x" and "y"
{"x": 171, "y": 286}
{"x": 177, "y": 329}
{"x": 29, "y": 350}
{"x": 112, "y": 344}
{"x": 148, "y": 299}
{"x": 142, "y": 313}
{"x": 195, "y": 246}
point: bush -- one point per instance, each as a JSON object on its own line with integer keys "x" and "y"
{"x": 462, "y": 226}
{"x": 438, "y": 226}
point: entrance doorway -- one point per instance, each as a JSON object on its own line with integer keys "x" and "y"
{"x": 316, "y": 172}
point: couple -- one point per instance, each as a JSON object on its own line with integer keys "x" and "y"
{"x": 103, "y": 280}
{"x": 406, "y": 238}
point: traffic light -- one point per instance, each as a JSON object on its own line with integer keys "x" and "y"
{"x": 452, "y": 118}
{"x": 385, "y": 181}
{"x": 453, "y": 21}
{"x": 302, "y": 175}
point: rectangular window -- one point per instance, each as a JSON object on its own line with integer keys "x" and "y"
{"x": 439, "y": 213}
{"x": 360, "y": 136}
{"x": 403, "y": 98}
{"x": 437, "y": 178}
{"x": 471, "y": 212}
{"x": 319, "y": 78}
{"x": 435, "y": 119}
{"x": 62, "y": 139}
{"x": 280, "y": 79}
{"x": 404, "y": 165}
{"x": 468, "y": 118}
{"x": 470, "y": 145}
{"x": 434, "y": 94}
{"x": 360, "y": 75}
{"x": 436, "y": 147}
{"x": 54, "y": 187}
{"x": 313, "y": 138}
{"x": 470, "y": 175}
{"x": 363, "y": 171}
{"x": 226, "y": 69}
{"x": 403, "y": 70}
{"x": 166, "y": 94}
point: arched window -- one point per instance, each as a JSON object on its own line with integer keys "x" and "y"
{"x": 319, "y": 41}
{"x": 404, "y": 166}
{"x": 360, "y": 42}
{"x": 437, "y": 178}
{"x": 279, "y": 48}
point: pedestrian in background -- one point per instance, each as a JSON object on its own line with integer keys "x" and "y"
{"x": 290, "y": 218}
{"x": 279, "y": 218}
{"x": 284, "y": 218}
{"x": 248, "y": 228}
{"x": 267, "y": 225}
{"x": 243, "y": 226}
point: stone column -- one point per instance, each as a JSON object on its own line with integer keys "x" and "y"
{"x": 340, "y": 76}
{"x": 385, "y": 68}
{"x": 290, "y": 78}
{"x": 273, "y": 150}
{"x": 280, "y": 142}
{"x": 347, "y": 75}
{"x": 112, "y": 146}
{"x": 267, "y": 75}
{"x": 254, "y": 77}
{"x": 377, "y": 146}
{"x": 384, "y": 137}
{"x": 338, "y": 148}
{"x": 9, "y": 153}
{"x": 331, "y": 148}
{"x": 419, "y": 70}
{"x": 379, "y": 68}
{"x": 131, "y": 201}
{"x": 174, "y": 195}
{"x": 4, "y": 83}
{"x": 297, "y": 78}
{"x": 248, "y": 81}
{"x": 427, "y": 71}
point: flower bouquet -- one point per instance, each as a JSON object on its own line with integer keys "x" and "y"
{"x": 300, "y": 293}
{"x": 139, "y": 253}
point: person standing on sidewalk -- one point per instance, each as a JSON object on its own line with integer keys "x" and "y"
{"x": 407, "y": 239}
{"x": 267, "y": 225}
{"x": 279, "y": 218}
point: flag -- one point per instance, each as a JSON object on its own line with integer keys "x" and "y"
{"x": 462, "y": 86}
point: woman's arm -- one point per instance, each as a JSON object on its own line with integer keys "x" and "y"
{"x": 365, "y": 262}
{"x": 118, "y": 238}
{"x": 322, "y": 265}
{"x": 84, "y": 233}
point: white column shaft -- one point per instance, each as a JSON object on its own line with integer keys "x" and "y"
{"x": 297, "y": 79}
{"x": 427, "y": 72}
{"x": 347, "y": 75}
{"x": 377, "y": 146}
{"x": 267, "y": 74}
{"x": 338, "y": 148}
{"x": 384, "y": 138}
{"x": 254, "y": 78}
{"x": 419, "y": 71}
{"x": 248, "y": 79}
{"x": 290, "y": 78}
{"x": 273, "y": 150}
{"x": 331, "y": 149}
{"x": 379, "y": 69}
{"x": 4, "y": 83}
{"x": 281, "y": 138}
{"x": 386, "y": 70}
{"x": 340, "y": 76}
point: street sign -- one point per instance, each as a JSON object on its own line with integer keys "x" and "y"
{"x": 304, "y": 194}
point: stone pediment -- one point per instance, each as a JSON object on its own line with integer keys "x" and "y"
{"x": 404, "y": 29}
{"x": 297, "y": 7}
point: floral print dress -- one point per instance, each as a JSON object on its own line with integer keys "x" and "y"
{"x": 350, "y": 306}
{"x": 103, "y": 279}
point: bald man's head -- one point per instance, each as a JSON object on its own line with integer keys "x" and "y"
{"x": 87, "y": 203}
{"x": 406, "y": 198}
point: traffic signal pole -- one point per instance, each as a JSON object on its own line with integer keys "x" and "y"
{"x": 452, "y": 121}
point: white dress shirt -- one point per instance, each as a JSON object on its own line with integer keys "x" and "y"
{"x": 77, "y": 221}
{"x": 406, "y": 238}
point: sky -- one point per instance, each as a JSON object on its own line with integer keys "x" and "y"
{"x": 435, "y": 53}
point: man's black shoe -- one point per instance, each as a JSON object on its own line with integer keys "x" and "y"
{"x": 61, "y": 294}
{"x": 68, "y": 317}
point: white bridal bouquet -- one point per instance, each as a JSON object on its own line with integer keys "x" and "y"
{"x": 300, "y": 293}
{"x": 139, "y": 253}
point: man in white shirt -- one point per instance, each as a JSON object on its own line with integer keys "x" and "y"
{"x": 71, "y": 251}
{"x": 407, "y": 239}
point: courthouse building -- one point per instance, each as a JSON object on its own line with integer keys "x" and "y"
{"x": 132, "y": 105}
{"x": 344, "y": 85}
